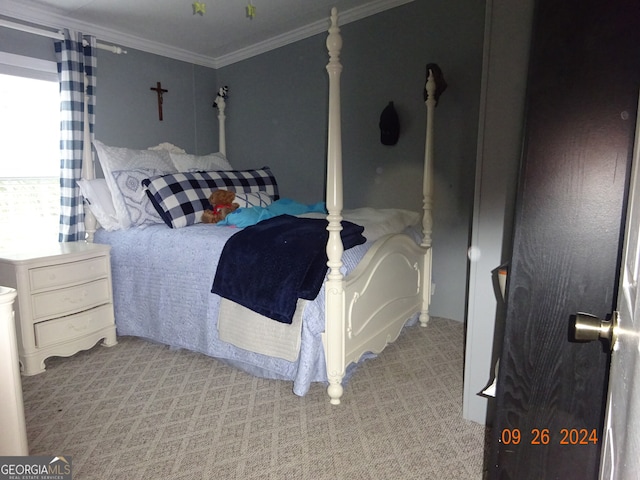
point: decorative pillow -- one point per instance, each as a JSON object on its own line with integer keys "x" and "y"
{"x": 194, "y": 163}
{"x": 98, "y": 197}
{"x": 253, "y": 199}
{"x": 138, "y": 210}
{"x": 181, "y": 198}
{"x": 116, "y": 159}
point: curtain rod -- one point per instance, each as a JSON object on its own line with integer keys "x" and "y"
{"x": 56, "y": 35}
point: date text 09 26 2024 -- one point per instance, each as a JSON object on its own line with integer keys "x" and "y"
{"x": 543, "y": 436}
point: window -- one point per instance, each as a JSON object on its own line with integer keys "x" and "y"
{"x": 30, "y": 160}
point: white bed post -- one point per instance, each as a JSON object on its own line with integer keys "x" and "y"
{"x": 334, "y": 287}
{"x": 222, "y": 140}
{"x": 427, "y": 194}
{"x": 88, "y": 169}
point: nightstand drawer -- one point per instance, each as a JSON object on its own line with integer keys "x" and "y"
{"x": 70, "y": 300}
{"x": 68, "y": 273}
{"x": 73, "y": 326}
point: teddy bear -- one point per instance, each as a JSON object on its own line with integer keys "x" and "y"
{"x": 221, "y": 205}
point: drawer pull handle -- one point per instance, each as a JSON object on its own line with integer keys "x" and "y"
{"x": 79, "y": 299}
{"x": 79, "y": 328}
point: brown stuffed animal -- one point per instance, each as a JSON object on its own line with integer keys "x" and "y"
{"x": 222, "y": 205}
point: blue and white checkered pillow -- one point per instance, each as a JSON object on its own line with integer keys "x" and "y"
{"x": 253, "y": 199}
{"x": 181, "y": 198}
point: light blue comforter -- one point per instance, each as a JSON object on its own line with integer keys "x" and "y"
{"x": 162, "y": 280}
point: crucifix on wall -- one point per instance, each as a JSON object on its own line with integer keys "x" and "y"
{"x": 160, "y": 91}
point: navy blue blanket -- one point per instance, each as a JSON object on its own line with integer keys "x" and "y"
{"x": 266, "y": 267}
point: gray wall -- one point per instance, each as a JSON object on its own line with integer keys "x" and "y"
{"x": 277, "y": 114}
{"x": 127, "y": 110}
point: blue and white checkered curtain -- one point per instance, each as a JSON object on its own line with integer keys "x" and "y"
{"x": 76, "y": 67}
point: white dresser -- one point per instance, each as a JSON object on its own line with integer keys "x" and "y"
{"x": 64, "y": 301}
{"x": 13, "y": 440}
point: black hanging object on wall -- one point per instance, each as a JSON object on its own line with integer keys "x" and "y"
{"x": 389, "y": 125}
{"x": 441, "y": 84}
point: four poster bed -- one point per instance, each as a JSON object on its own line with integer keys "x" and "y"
{"x": 162, "y": 277}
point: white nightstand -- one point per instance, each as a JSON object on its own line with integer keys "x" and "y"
{"x": 64, "y": 302}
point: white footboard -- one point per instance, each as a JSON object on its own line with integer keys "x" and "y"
{"x": 381, "y": 294}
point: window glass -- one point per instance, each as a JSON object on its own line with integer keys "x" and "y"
{"x": 30, "y": 160}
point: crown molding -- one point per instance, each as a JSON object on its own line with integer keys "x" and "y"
{"x": 42, "y": 17}
{"x": 46, "y": 18}
{"x": 307, "y": 31}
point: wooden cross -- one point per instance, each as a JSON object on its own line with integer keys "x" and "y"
{"x": 160, "y": 91}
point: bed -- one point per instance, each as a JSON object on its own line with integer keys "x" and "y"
{"x": 163, "y": 277}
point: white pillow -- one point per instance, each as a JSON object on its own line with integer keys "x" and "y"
{"x": 98, "y": 197}
{"x": 378, "y": 222}
{"x": 199, "y": 163}
{"x": 169, "y": 147}
{"x": 115, "y": 160}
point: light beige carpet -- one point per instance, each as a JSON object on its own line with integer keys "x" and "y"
{"x": 142, "y": 411}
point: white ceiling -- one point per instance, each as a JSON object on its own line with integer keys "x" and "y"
{"x": 222, "y": 35}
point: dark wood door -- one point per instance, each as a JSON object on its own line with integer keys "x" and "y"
{"x": 584, "y": 77}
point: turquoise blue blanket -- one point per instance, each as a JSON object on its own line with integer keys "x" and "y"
{"x": 244, "y": 217}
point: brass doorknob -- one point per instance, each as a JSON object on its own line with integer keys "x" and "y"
{"x": 589, "y": 327}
